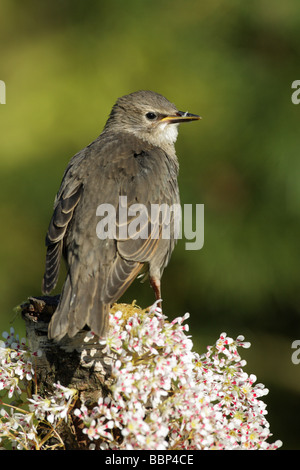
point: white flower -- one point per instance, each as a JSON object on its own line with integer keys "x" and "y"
{"x": 162, "y": 396}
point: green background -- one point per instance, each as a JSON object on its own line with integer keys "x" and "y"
{"x": 233, "y": 62}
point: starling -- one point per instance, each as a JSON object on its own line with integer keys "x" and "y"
{"x": 134, "y": 158}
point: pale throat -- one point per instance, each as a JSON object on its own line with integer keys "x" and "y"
{"x": 164, "y": 136}
{"x": 168, "y": 132}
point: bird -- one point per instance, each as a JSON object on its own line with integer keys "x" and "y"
{"x": 134, "y": 157}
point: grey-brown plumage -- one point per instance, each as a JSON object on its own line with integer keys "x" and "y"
{"x": 134, "y": 156}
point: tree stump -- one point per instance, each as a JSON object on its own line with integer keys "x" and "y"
{"x": 72, "y": 362}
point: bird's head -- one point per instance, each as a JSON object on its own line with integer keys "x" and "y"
{"x": 149, "y": 116}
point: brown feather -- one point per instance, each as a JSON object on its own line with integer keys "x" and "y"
{"x": 120, "y": 162}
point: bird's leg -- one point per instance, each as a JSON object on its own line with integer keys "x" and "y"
{"x": 155, "y": 284}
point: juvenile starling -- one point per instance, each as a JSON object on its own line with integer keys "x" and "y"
{"x": 135, "y": 157}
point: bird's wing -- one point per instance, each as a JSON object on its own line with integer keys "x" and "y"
{"x": 150, "y": 179}
{"x": 151, "y": 194}
{"x": 65, "y": 203}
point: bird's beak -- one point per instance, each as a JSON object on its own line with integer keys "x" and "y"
{"x": 179, "y": 117}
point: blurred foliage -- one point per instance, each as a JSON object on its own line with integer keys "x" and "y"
{"x": 64, "y": 64}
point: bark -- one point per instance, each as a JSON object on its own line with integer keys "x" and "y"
{"x": 71, "y": 361}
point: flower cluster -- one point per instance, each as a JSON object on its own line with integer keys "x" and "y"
{"x": 16, "y": 363}
{"x": 164, "y": 396}
{"x": 54, "y": 408}
{"x": 18, "y": 430}
{"x": 20, "y": 420}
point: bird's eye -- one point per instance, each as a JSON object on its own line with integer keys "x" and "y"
{"x": 151, "y": 116}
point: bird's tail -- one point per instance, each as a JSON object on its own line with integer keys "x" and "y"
{"x": 80, "y": 304}
{"x": 87, "y": 295}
